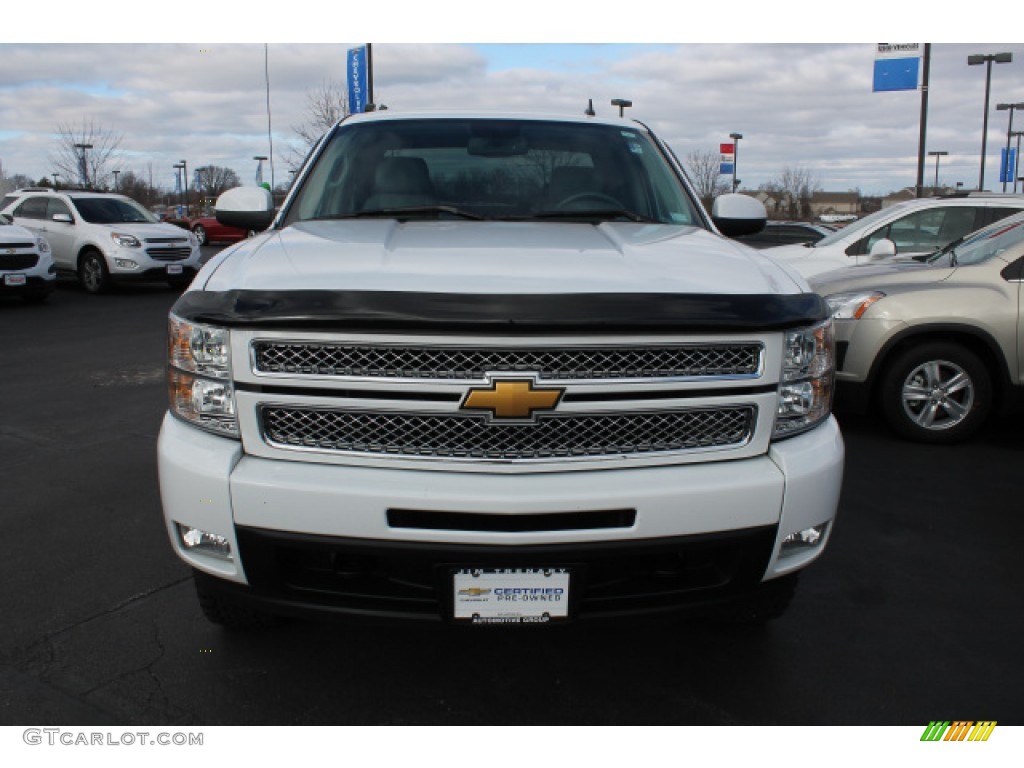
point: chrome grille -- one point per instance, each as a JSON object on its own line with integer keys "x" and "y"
{"x": 169, "y": 254}
{"x": 381, "y": 361}
{"x": 473, "y": 437}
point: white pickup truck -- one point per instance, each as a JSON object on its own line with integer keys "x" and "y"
{"x": 496, "y": 370}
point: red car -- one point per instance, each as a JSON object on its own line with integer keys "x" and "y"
{"x": 209, "y": 230}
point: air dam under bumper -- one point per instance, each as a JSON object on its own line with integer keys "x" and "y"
{"x": 730, "y": 515}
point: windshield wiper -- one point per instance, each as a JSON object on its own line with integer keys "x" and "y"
{"x": 404, "y": 212}
{"x": 603, "y": 214}
{"x": 949, "y": 248}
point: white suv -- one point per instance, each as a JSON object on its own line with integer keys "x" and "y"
{"x": 905, "y": 230}
{"x": 26, "y": 266}
{"x": 102, "y": 238}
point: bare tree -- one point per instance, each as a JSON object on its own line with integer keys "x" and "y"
{"x": 12, "y": 182}
{"x": 795, "y": 187}
{"x": 776, "y": 198}
{"x": 138, "y": 189}
{"x": 325, "y": 105}
{"x": 703, "y": 169}
{"x": 213, "y": 180}
{"x": 87, "y": 153}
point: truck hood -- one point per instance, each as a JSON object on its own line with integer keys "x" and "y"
{"x": 495, "y": 258}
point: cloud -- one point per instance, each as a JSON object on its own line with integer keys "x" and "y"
{"x": 797, "y": 105}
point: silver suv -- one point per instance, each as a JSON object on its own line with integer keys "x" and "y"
{"x": 935, "y": 346}
{"x": 26, "y": 266}
{"x": 101, "y": 237}
{"x": 913, "y": 229}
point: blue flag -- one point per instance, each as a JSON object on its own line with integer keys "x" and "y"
{"x": 357, "y": 82}
{"x": 1008, "y": 164}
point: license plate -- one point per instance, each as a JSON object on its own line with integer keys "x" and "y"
{"x": 510, "y": 595}
{"x": 14, "y": 280}
{"x": 174, "y": 269}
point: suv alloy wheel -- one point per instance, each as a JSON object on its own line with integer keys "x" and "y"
{"x": 93, "y": 272}
{"x": 936, "y": 393}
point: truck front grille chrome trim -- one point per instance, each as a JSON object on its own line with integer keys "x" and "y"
{"x": 467, "y": 363}
{"x": 471, "y": 437}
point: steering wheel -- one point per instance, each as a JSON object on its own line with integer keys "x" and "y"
{"x": 598, "y": 197}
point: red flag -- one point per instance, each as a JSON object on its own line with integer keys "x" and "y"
{"x": 728, "y": 149}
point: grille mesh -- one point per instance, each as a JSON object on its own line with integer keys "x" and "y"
{"x": 378, "y": 361}
{"x": 18, "y": 260}
{"x": 474, "y": 437}
{"x": 169, "y": 254}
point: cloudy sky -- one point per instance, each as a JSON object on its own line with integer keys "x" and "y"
{"x": 798, "y": 105}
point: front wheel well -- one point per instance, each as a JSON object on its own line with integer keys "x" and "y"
{"x": 85, "y": 249}
{"x": 982, "y": 345}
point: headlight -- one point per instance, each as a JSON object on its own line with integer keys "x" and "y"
{"x": 197, "y": 348}
{"x": 808, "y": 370}
{"x": 192, "y": 239}
{"x": 199, "y": 376}
{"x": 42, "y": 245}
{"x": 852, "y": 306}
{"x": 125, "y": 241}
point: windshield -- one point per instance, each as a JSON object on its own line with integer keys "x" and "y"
{"x": 111, "y": 210}
{"x": 855, "y": 228}
{"x": 984, "y": 244}
{"x": 491, "y": 168}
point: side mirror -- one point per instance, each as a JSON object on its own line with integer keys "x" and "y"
{"x": 737, "y": 215}
{"x": 63, "y": 218}
{"x": 246, "y": 208}
{"x": 6, "y": 218}
{"x": 882, "y": 249}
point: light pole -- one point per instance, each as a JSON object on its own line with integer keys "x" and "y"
{"x": 735, "y": 157}
{"x": 115, "y": 180}
{"x": 184, "y": 172}
{"x": 57, "y": 176}
{"x": 83, "y": 167}
{"x": 986, "y": 59}
{"x": 1009, "y": 130}
{"x": 179, "y": 168}
{"x": 937, "y": 155}
{"x": 622, "y": 104}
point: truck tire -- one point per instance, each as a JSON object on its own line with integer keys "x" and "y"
{"x": 939, "y": 392}
{"x": 230, "y": 615}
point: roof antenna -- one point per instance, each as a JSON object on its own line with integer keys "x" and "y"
{"x": 589, "y": 112}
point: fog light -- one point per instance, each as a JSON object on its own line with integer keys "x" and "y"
{"x": 195, "y": 540}
{"x": 800, "y": 541}
{"x": 125, "y": 263}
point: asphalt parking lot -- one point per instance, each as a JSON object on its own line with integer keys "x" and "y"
{"x": 912, "y": 615}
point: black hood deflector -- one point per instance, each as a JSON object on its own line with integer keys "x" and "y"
{"x": 407, "y": 312}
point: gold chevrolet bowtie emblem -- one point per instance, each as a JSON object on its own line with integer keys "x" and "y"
{"x": 475, "y": 591}
{"x": 512, "y": 399}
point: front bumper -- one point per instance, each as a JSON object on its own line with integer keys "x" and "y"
{"x": 33, "y": 285}
{"x": 154, "y": 273}
{"x": 327, "y": 538}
